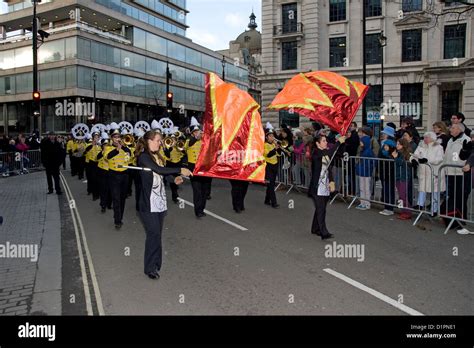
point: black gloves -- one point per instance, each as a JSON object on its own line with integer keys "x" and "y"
{"x": 423, "y": 160}
{"x": 467, "y": 146}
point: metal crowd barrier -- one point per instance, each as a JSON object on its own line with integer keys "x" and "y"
{"x": 457, "y": 207}
{"x": 19, "y": 163}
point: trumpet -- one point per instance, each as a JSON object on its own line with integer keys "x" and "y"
{"x": 169, "y": 142}
{"x": 283, "y": 143}
{"x": 129, "y": 140}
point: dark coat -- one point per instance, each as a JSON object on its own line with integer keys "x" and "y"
{"x": 317, "y": 164}
{"x": 51, "y": 153}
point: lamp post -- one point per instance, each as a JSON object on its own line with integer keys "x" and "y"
{"x": 382, "y": 43}
{"x": 364, "y": 59}
{"x": 36, "y": 104}
{"x": 223, "y": 68}
{"x": 94, "y": 78}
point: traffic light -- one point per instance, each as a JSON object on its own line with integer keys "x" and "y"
{"x": 169, "y": 101}
{"x": 36, "y": 96}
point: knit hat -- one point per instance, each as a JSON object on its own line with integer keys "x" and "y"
{"x": 389, "y": 131}
{"x": 389, "y": 142}
{"x": 367, "y": 131}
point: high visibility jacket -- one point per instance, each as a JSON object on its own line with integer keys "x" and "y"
{"x": 193, "y": 151}
{"x": 119, "y": 158}
{"x": 270, "y": 153}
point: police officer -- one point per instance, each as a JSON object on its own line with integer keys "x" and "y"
{"x": 174, "y": 159}
{"x": 201, "y": 185}
{"x": 117, "y": 157}
{"x": 272, "y": 152}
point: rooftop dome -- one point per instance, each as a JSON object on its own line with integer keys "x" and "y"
{"x": 250, "y": 39}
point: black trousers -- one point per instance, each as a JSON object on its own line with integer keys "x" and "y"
{"x": 153, "y": 224}
{"x": 104, "y": 188}
{"x": 73, "y": 163}
{"x": 92, "y": 179}
{"x": 80, "y": 166}
{"x": 173, "y": 186}
{"x": 138, "y": 189}
{"x": 458, "y": 189}
{"x": 238, "y": 192}
{"x": 319, "y": 218}
{"x": 388, "y": 192}
{"x": 201, "y": 187}
{"x": 271, "y": 172}
{"x": 132, "y": 177}
{"x": 53, "y": 173}
{"x": 118, "y": 185}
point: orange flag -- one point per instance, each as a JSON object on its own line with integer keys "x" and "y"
{"x": 323, "y": 96}
{"x": 233, "y": 139}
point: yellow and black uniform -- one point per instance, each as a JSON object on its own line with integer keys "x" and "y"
{"x": 91, "y": 153}
{"x": 78, "y": 150}
{"x": 118, "y": 180}
{"x": 69, "y": 146}
{"x": 103, "y": 177}
{"x": 201, "y": 184}
{"x": 271, "y": 154}
{"x": 174, "y": 159}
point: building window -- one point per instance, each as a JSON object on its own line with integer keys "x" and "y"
{"x": 411, "y": 102}
{"x": 289, "y": 55}
{"x": 412, "y": 5}
{"x": 374, "y": 98}
{"x": 374, "y": 8}
{"x": 337, "y": 51}
{"x": 290, "y": 119}
{"x": 337, "y": 10}
{"x": 454, "y": 41}
{"x": 411, "y": 45}
{"x": 289, "y": 18}
{"x": 373, "y": 52}
{"x": 449, "y": 104}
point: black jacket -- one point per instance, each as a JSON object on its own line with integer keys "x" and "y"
{"x": 146, "y": 180}
{"x": 316, "y": 165}
{"x": 352, "y": 143}
{"x": 51, "y": 153}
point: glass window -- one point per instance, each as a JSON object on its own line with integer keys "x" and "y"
{"x": 374, "y": 8}
{"x": 24, "y": 83}
{"x": 208, "y": 62}
{"x": 178, "y": 94}
{"x": 126, "y": 85}
{"x": 374, "y": 98}
{"x": 412, "y": 5}
{"x": 71, "y": 76}
{"x": 71, "y": 48}
{"x": 84, "y": 49}
{"x": 176, "y": 51}
{"x": 194, "y": 78}
{"x": 455, "y": 41}
{"x": 337, "y": 10}
{"x": 155, "y": 67}
{"x": 52, "y": 79}
{"x": 52, "y": 51}
{"x": 155, "y": 44}
{"x": 139, "y": 38}
{"x": 159, "y": 7}
{"x": 373, "y": 49}
{"x": 140, "y": 88}
{"x": 177, "y": 73}
{"x": 337, "y": 51}
{"x": 411, "y": 45}
{"x": 7, "y": 59}
{"x": 290, "y": 119}
{"x": 411, "y": 102}
{"x": 84, "y": 79}
{"x": 23, "y": 57}
{"x": 289, "y": 55}
{"x": 289, "y": 18}
{"x": 193, "y": 57}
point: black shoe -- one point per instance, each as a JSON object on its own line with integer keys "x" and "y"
{"x": 243, "y": 209}
{"x": 59, "y": 193}
{"x": 109, "y": 207}
{"x": 316, "y": 233}
{"x": 152, "y": 275}
{"x": 95, "y": 198}
{"x": 102, "y": 210}
{"x": 118, "y": 226}
{"x": 328, "y": 236}
{"x": 276, "y": 206}
{"x": 176, "y": 200}
{"x": 88, "y": 193}
{"x": 200, "y": 215}
{"x": 268, "y": 203}
{"x": 238, "y": 211}
{"x": 208, "y": 198}
{"x": 50, "y": 191}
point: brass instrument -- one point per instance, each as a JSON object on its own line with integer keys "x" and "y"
{"x": 180, "y": 144}
{"x": 128, "y": 140}
{"x": 169, "y": 142}
{"x": 283, "y": 145}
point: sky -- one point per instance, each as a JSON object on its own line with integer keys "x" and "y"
{"x": 213, "y": 23}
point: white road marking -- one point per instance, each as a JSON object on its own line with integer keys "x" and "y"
{"x": 217, "y": 217}
{"x": 85, "y": 282}
{"x": 95, "y": 283}
{"x": 373, "y": 292}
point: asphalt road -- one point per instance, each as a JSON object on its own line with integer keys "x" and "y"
{"x": 276, "y": 266}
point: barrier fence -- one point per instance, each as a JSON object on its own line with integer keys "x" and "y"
{"x": 397, "y": 185}
{"x": 18, "y": 163}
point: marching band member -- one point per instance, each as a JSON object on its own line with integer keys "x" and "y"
{"x": 78, "y": 154}
{"x": 152, "y": 203}
{"x": 272, "y": 152}
{"x": 117, "y": 157}
{"x": 201, "y": 185}
{"x": 91, "y": 152}
{"x": 174, "y": 158}
{"x": 238, "y": 192}
{"x": 69, "y": 148}
{"x": 103, "y": 174}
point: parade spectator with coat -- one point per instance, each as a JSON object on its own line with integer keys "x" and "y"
{"x": 52, "y": 158}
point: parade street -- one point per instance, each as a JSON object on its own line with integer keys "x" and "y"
{"x": 263, "y": 261}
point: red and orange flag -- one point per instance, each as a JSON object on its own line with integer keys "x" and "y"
{"x": 233, "y": 139}
{"x": 323, "y": 96}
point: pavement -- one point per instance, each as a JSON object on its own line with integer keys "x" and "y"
{"x": 261, "y": 262}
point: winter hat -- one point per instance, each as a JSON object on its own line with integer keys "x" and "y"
{"x": 389, "y": 142}
{"x": 367, "y": 131}
{"x": 390, "y": 131}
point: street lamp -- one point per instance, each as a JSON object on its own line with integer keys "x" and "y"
{"x": 94, "y": 78}
{"x": 223, "y": 68}
{"x": 382, "y": 42}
